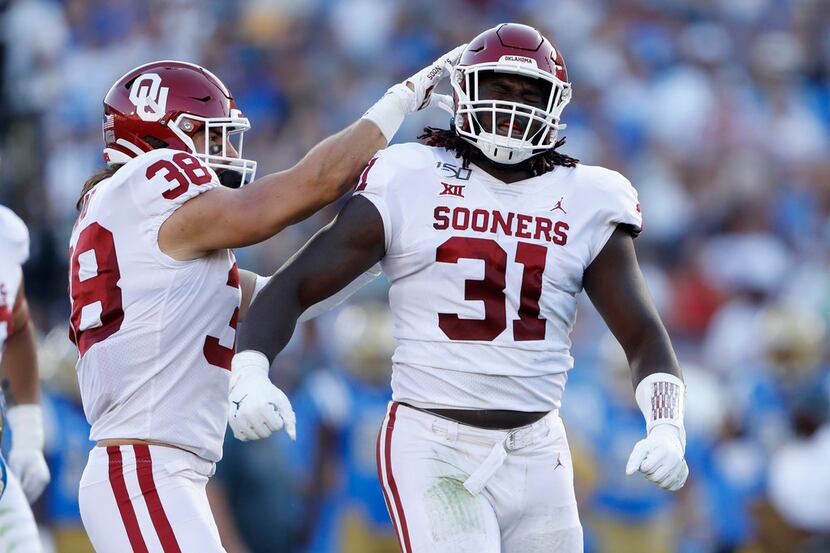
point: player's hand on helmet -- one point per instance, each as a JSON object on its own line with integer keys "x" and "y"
{"x": 414, "y": 94}
{"x": 26, "y": 459}
{"x": 423, "y": 82}
{"x": 659, "y": 457}
{"x": 257, "y": 408}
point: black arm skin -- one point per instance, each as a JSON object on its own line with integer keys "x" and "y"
{"x": 616, "y": 287}
{"x": 335, "y": 256}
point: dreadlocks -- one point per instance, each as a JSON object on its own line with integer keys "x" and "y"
{"x": 538, "y": 164}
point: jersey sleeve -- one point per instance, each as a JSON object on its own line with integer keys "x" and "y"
{"x": 162, "y": 183}
{"x": 374, "y": 185}
{"x": 618, "y": 205}
{"x": 625, "y": 205}
{"x": 14, "y": 236}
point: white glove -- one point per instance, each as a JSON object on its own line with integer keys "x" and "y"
{"x": 26, "y": 456}
{"x": 659, "y": 457}
{"x": 257, "y": 408}
{"x": 661, "y": 398}
{"x": 424, "y": 81}
{"x": 400, "y": 100}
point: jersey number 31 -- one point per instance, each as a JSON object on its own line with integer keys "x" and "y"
{"x": 490, "y": 290}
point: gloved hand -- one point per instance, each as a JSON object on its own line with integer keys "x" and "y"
{"x": 414, "y": 94}
{"x": 26, "y": 456}
{"x": 423, "y": 82}
{"x": 257, "y": 408}
{"x": 659, "y": 457}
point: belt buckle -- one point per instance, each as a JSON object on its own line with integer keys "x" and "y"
{"x": 512, "y": 441}
{"x": 521, "y": 437}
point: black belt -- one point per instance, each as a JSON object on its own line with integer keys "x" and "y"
{"x": 491, "y": 419}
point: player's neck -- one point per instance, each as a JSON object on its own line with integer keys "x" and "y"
{"x": 505, "y": 173}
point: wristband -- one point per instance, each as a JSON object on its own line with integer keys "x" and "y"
{"x": 248, "y": 361}
{"x": 661, "y": 398}
{"x": 389, "y": 112}
{"x": 26, "y": 423}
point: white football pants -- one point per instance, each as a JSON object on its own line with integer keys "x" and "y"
{"x": 145, "y": 499}
{"x": 18, "y": 531}
{"x": 453, "y": 488}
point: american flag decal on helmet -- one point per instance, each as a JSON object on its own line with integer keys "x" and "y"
{"x": 665, "y": 401}
{"x": 108, "y": 129}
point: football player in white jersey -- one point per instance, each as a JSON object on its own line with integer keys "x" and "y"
{"x": 28, "y": 474}
{"x": 156, "y": 293}
{"x": 487, "y": 234}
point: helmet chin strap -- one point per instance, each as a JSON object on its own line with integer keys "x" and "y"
{"x": 230, "y": 178}
{"x": 495, "y": 147}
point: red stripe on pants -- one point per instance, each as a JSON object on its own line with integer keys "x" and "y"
{"x": 151, "y": 498}
{"x": 122, "y": 499}
{"x": 383, "y": 482}
{"x": 396, "y": 498}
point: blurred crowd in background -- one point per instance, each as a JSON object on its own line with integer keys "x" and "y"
{"x": 718, "y": 111}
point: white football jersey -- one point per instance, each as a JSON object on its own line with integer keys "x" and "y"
{"x": 155, "y": 335}
{"x": 484, "y": 275}
{"x": 14, "y": 251}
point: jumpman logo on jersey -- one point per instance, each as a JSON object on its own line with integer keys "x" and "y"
{"x": 558, "y": 461}
{"x": 559, "y": 206}
{"x": 238, "y": 403}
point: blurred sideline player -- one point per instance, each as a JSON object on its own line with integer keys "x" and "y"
{"x": 156, "y": 294}
{"x": 348, "y": 511}
{"x": 486, "y": 255}
{"x": 27, "y": 473}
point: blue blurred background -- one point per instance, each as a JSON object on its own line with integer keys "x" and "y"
{"x": 717, "y": 110}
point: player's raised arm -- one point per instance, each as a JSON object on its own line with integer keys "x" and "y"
{"x": 332, "y": 259}
{"x": 617, "y": 289}
{"x": 229, "y": 218}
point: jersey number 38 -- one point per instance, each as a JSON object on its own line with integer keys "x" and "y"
{"x": 94, "y": 275}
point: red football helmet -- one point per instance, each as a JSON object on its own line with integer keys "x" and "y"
{"x": 521, "y": 50}
{"x": 163, "y": 104}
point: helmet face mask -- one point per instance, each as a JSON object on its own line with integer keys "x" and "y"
{"x": 510, "y": 129}
{"x": 166, "y": 104}
{"x": 221, "y": 141}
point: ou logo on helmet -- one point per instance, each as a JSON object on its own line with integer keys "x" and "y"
{"x": 149, "y": 97}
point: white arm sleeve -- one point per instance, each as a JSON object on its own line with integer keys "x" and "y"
{"x": 330, "y": 303}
